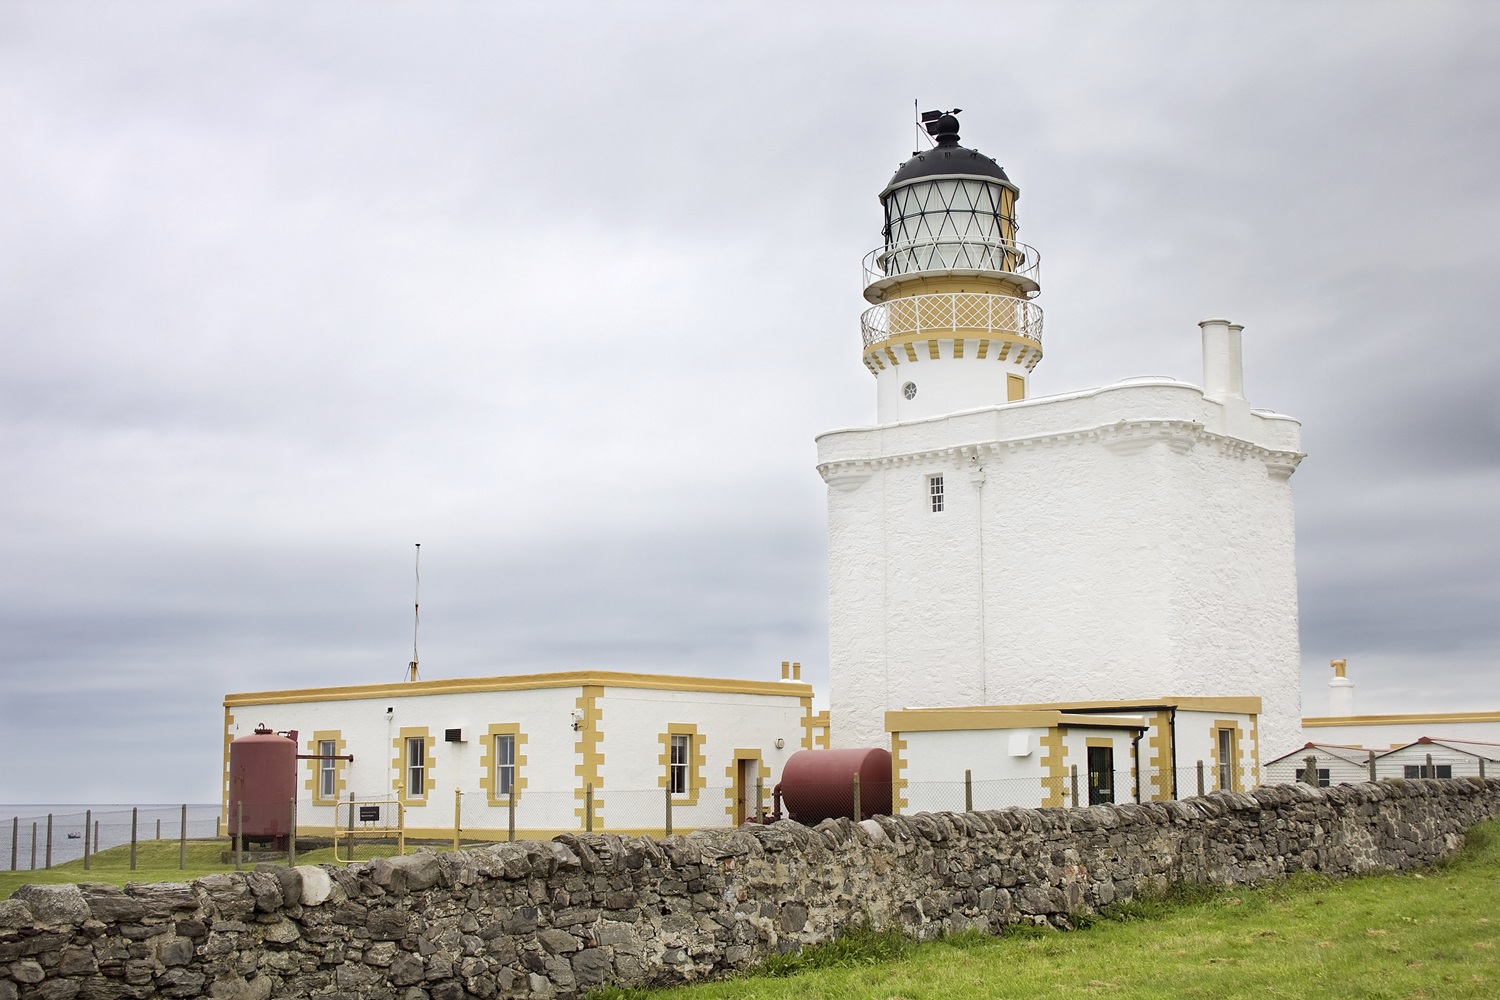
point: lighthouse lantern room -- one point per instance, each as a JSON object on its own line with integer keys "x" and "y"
{"x": 951, "y": 325}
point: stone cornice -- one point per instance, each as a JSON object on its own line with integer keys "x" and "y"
{"x": 1124, "y": 437}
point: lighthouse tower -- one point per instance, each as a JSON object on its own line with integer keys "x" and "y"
{"x": 988, "y": 547}
{"x": 952, "y": 325}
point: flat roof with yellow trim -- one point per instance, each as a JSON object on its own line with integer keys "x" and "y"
{"x": 1396, "y": 720}
{"x": 932, "y": 720}
{"x": 521, "y": 682}
{"x": 1241, "y": 705}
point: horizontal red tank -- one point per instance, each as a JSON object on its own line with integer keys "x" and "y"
{"x": 263, "y": 776}
{"x": 818, "y": 784}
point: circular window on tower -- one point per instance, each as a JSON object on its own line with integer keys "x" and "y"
{"x": 909, "y": 390}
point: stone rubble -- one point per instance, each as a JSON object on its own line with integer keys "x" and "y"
{"x": 556, "y": 919}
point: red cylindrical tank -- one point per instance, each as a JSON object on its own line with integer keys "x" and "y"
{"x": 817, "y": 784}
{"x": 262, "y": 776}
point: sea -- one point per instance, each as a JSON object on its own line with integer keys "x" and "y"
{"x": 23, "y": 828}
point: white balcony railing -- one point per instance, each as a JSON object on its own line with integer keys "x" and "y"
{"x": 949, "y": 253}
{"x": 974, "y": 314}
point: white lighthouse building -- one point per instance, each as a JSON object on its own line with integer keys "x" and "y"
{"x": 1124, "y": 545}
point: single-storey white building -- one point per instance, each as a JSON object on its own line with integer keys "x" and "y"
{"x": 1121, "y": 751}
{"x": 568, "y": 750}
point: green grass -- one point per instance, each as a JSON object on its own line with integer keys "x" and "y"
{"x": 1432, "y": 934}
{"x": 156, "y": 861}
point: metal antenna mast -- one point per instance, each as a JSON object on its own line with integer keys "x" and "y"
{"x": 416, "y": 616}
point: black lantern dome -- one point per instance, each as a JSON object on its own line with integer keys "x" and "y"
{"x": 949, "y": 209}
{"x": 948, "y": 157}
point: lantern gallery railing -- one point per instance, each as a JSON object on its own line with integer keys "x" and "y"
{"x": 976, "y": 315}
{"x": 946, "y": 253}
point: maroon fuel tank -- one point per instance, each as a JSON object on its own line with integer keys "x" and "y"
{"x": 263, "y": 776}
{"x": 817, "y": 784}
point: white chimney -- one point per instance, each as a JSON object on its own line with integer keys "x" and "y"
{"x": 1223, "y": 360}
{"x": 1340, "y": 690}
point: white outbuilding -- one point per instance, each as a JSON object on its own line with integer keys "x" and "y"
{"x": 568, "y": 751}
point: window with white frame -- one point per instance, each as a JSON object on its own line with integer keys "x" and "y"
{"x": 416, "y": 766}
{"x": 935, "y": 493}
{"x": 682, "y": 753}
{"x": 327, "y": 769}
{"x": 1226, "y": 760}
{"x": 505, "y": 763}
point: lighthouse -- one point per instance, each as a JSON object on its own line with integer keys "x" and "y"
{"x": 991, "y": 547}
{"x": 951, "y": 323}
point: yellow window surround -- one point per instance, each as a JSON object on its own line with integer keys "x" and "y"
{"x": 489, "y": 764}
{"x": 696, "y": 780}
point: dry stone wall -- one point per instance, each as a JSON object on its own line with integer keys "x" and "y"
{"x": 557, "y": 918}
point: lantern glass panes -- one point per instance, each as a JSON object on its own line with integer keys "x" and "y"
{"x": 948, "y": 223}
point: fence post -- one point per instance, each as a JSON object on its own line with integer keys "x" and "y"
{"x": 1481, "y": 767}
{"x": 668, "y": 789}
{"x": 88, "y": 831}
{"x": 33, "y": 845}
{"x": 858, "y": 812}
{"x": 135, "y": 816}
{"x": 1371, "y": 765}
{"x": 96, "y": 836}
{"x": 291, "y": 837}
{"x": 458, "y": 815}
{"x": 1200, "y": 778}
{"x": 49, "y": 840}
{"x": 968, "y": 790}
{"x": 1430, "y": 772}
{"x": 1310, "y": 769}
{"x": 510, "y": 813}
{"x": 760, "y": 795}
{"x": 588, "y": 808}
{"x": 15, "y": 840}
{"x": 1073, "y": 784}
{"x": 158, "y": 829}
{"x": 239, "y": 834}
{"x": 182, "y": 842}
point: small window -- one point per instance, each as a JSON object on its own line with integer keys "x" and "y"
{"x": 1423, "y": 771}
{"x": 505, "y": 763}
{"x": 935, "y": 493}
{"x": 682, "y": 753}
{"x": 327, "y": 769}
{"x": 1015, "y": 388}
{"x": 1323, "y": 778}
{"x": 416, "y": 767}
{"x": 1226, "y": 760}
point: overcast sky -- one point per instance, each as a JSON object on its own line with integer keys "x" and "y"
{"x": 564, "y": 291}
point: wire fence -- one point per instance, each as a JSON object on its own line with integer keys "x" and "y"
{"x": 31, "y": 840}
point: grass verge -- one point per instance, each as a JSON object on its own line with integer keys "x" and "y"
{"x": 156, "y": 861}
{"x": 1427, "y": 935}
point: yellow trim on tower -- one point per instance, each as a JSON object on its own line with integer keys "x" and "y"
{"x": 398, "y": 783}
{"x": 1055, "y": 781}
{"x": 911, "y": 351}
{"x": 931, "y": 720}
{"x": 590, "y": 753}
{"x": 313, "y": 784}
{"x": 489, "y": 761}
{"x": 898, "y": 774}
{"x": 1160, "y": 760}
{"x": 1015, "y": 388}
{"x": 228, "y": 739}
{"x": 1255, "y": 738}
{"x": 696, "y": 780}
{"x": 520, "y": 682}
